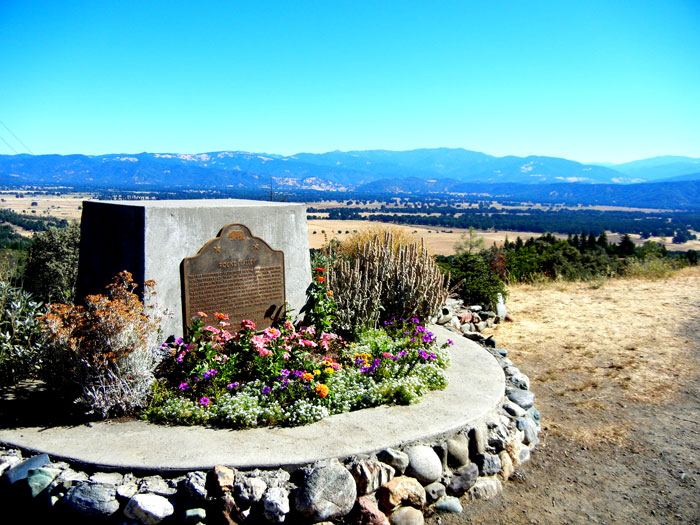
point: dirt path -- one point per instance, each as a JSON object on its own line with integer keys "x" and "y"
{"x": 615, "y": 369}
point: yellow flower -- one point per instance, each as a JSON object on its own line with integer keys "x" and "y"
{"x": 329, "y": 370}
{"x": 317, "y": 372}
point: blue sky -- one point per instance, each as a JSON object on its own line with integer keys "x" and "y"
{"x": 590, "y": 81}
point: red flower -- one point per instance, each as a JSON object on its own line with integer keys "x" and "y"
{"x": 319, "y": 270}
{"x": 321, "y": 279}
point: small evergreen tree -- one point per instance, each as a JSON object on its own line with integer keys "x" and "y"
{"x": 51, "y": 272}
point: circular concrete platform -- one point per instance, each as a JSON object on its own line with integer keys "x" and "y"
{"x": 476, "y": 386}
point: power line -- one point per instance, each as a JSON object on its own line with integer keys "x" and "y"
{"x": 9, "y": 146}
{"x": 18, "y": 139}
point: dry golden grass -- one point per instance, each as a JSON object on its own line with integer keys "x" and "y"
{"x": 440, "y": 241}
{"x": 602, "y": 346}
{"x": 68, "y": 206}
{"x": 399, "y": 237}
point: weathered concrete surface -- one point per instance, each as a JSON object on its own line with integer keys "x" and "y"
{"x": 476, "y": 387}
{"x": 151, "y": 238}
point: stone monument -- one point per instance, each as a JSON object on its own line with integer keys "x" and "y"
{"x": 159, "y": 240}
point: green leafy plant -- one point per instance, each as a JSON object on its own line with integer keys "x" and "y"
{"x": 51, "y": 271}
{"x": 478, "y": 284}
{"x": 20, "y": 335}
{"x": 322, "y": 307}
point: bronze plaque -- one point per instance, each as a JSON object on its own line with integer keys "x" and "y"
{"x": 235, "y": 274}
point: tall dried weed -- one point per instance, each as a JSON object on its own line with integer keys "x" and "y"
{"x": 381, "y": 277}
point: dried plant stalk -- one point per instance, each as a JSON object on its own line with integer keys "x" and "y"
{"x": 385, "y": 279}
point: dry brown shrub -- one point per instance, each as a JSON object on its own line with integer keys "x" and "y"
{"x": 350, "y": 247}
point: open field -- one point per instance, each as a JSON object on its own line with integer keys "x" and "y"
{"x": 439, "y": 241}
{"x": 442, "y": 242}
{"x": 615, "y": 366}
{"x": 61, "y": 206}
{"x": 497, "y": 205}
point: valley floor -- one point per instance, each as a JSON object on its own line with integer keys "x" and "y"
{"x": 615, "y": 367}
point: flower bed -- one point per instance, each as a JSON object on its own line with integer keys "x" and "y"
{"x": 286, "y": 376}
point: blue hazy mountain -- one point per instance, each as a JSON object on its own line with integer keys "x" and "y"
{"x": 667, "y": 167}
{"x": 429, "y": 168}
{"x": 333, "y": 170}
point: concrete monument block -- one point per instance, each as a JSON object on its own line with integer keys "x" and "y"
{"x": 151, "y": 239}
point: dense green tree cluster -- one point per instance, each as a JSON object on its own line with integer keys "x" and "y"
{"x": 582, "y": 256}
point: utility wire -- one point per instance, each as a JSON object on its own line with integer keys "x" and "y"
{"x": 9, "y": 146}
{"x": 18, "y": 139}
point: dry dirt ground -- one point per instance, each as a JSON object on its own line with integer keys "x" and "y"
{"x": 615, "y": 367}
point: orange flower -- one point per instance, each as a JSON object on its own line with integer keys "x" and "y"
{"x": 307, "y": 376}
{"x": 322, "y": 390}
{"x": 329, "y": 294}
{"x": 202, "y": 314}
{"x": 319, "y": 270}
{"x": 321, "y": 279}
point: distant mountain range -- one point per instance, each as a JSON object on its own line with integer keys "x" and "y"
{"x": 440, "y": 169}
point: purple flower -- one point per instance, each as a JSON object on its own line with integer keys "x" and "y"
{"x": 183, "y": 386}
{"x": 284, "y": 372}
{"x": 266, "y": 390}
{"x": 232, "y": 385}
{"x": 204, "y": 401}
{"x": 402, "y": 353}
{"x": 432, "y": 356}
{"x": 450, "y": 342}
{"x": 178, "y": 341}
{"x": 415, "y": 320}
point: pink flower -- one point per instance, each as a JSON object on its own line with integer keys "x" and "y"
{"x": 247, "y": 324}
{"x": 211, "y": 329}
{"x": 204, "y": 401}
{"x": 271, "y": 333}
{"x": 288, "y": 325}
{"x": 310, "y": 330}
{"x": 264, "y": 352}
{"x": 183, "y": 386}
{"x": 285, "y": 356}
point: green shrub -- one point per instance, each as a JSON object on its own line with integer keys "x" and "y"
{"x": 51, "y": 271}
{"x": 478, "y": 284}
{"x": 382, "y": 280}
{"x": 650, "y": 268}
{"x": 20, "y": 335}
{"x": 103, "y": 354}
